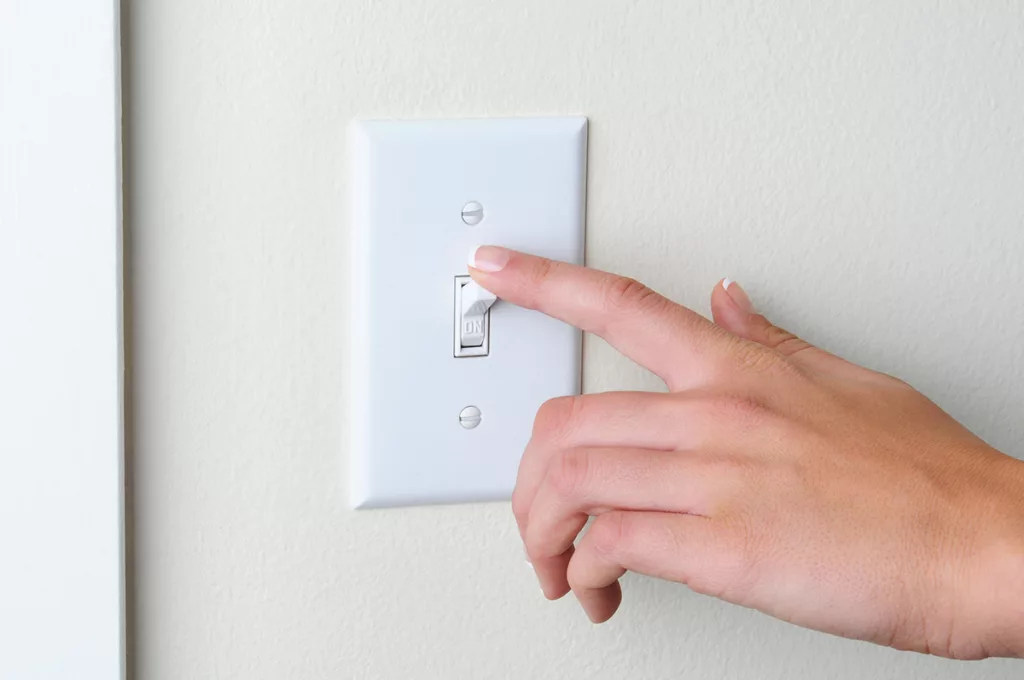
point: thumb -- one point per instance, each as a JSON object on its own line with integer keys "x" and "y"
{"x": 733, "y": 311}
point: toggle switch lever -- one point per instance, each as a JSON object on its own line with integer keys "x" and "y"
{"x": 475, "y": 303}
{"x": 472, "y": 320}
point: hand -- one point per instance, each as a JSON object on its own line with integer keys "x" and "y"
{"x": 772, "y": 475}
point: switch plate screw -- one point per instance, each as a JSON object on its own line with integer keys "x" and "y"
{"x": 472, "y": 213}
{"x": 470, "y": 417}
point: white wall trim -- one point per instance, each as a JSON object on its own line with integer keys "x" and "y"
{"x": 61, "y": 351}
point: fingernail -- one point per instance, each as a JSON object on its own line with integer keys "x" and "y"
{"x": 488, "y": 258}
{"x": 738, "y": 295}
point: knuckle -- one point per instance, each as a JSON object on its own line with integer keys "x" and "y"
{"x": 555, "y": 416}
{"x": 775, "y": 337}
{"x": 791, "y": 346}
{"x": 742, "y": 473}
{"x": 534, "y": 546}
{"x": 742, "y": 410}
{"x": 783, "y": 341}
{"x": 768, "y": 360}
{"x": 621, "y": 293}
{"x": 898, "y": 385}
{"x": 520, "y": 507}
{"x": 570, "y": 473}
{"x": 538, "y": 278}
{"x": 753, "y": 356}
{"x": 742, "y": 557}
{"x": 733, "y": 566}
{"x": 608, "y": 533}
{"x": 577, "y": 576}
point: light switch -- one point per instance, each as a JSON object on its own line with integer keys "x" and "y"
{"x": 472, "y": 318}
{"x": 445, "y": 381}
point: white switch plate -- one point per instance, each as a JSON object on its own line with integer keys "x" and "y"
{"x": 410, "y": 181}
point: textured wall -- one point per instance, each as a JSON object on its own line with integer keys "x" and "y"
{"x": 858, "y": 166}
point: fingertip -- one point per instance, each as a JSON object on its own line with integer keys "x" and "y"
{"x": 483, "y": 279}
{"x": 600, "y": 605}
{"x": 551, "y": 572}
{"x": 553, "y": 593}
{"x": 723, "y": 309}
{"x": 490, "y": 259}
{"x": 738, "y": 296}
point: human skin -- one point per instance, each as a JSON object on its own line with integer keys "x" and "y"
{"x": 772, "y": 475}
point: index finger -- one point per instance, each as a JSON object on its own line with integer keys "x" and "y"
{"x": 675, "y": 343}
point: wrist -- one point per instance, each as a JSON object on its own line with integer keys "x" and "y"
{"x": 1000, "y": 564}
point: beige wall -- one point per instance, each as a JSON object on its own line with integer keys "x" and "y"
{"x": 858, "y": 166}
